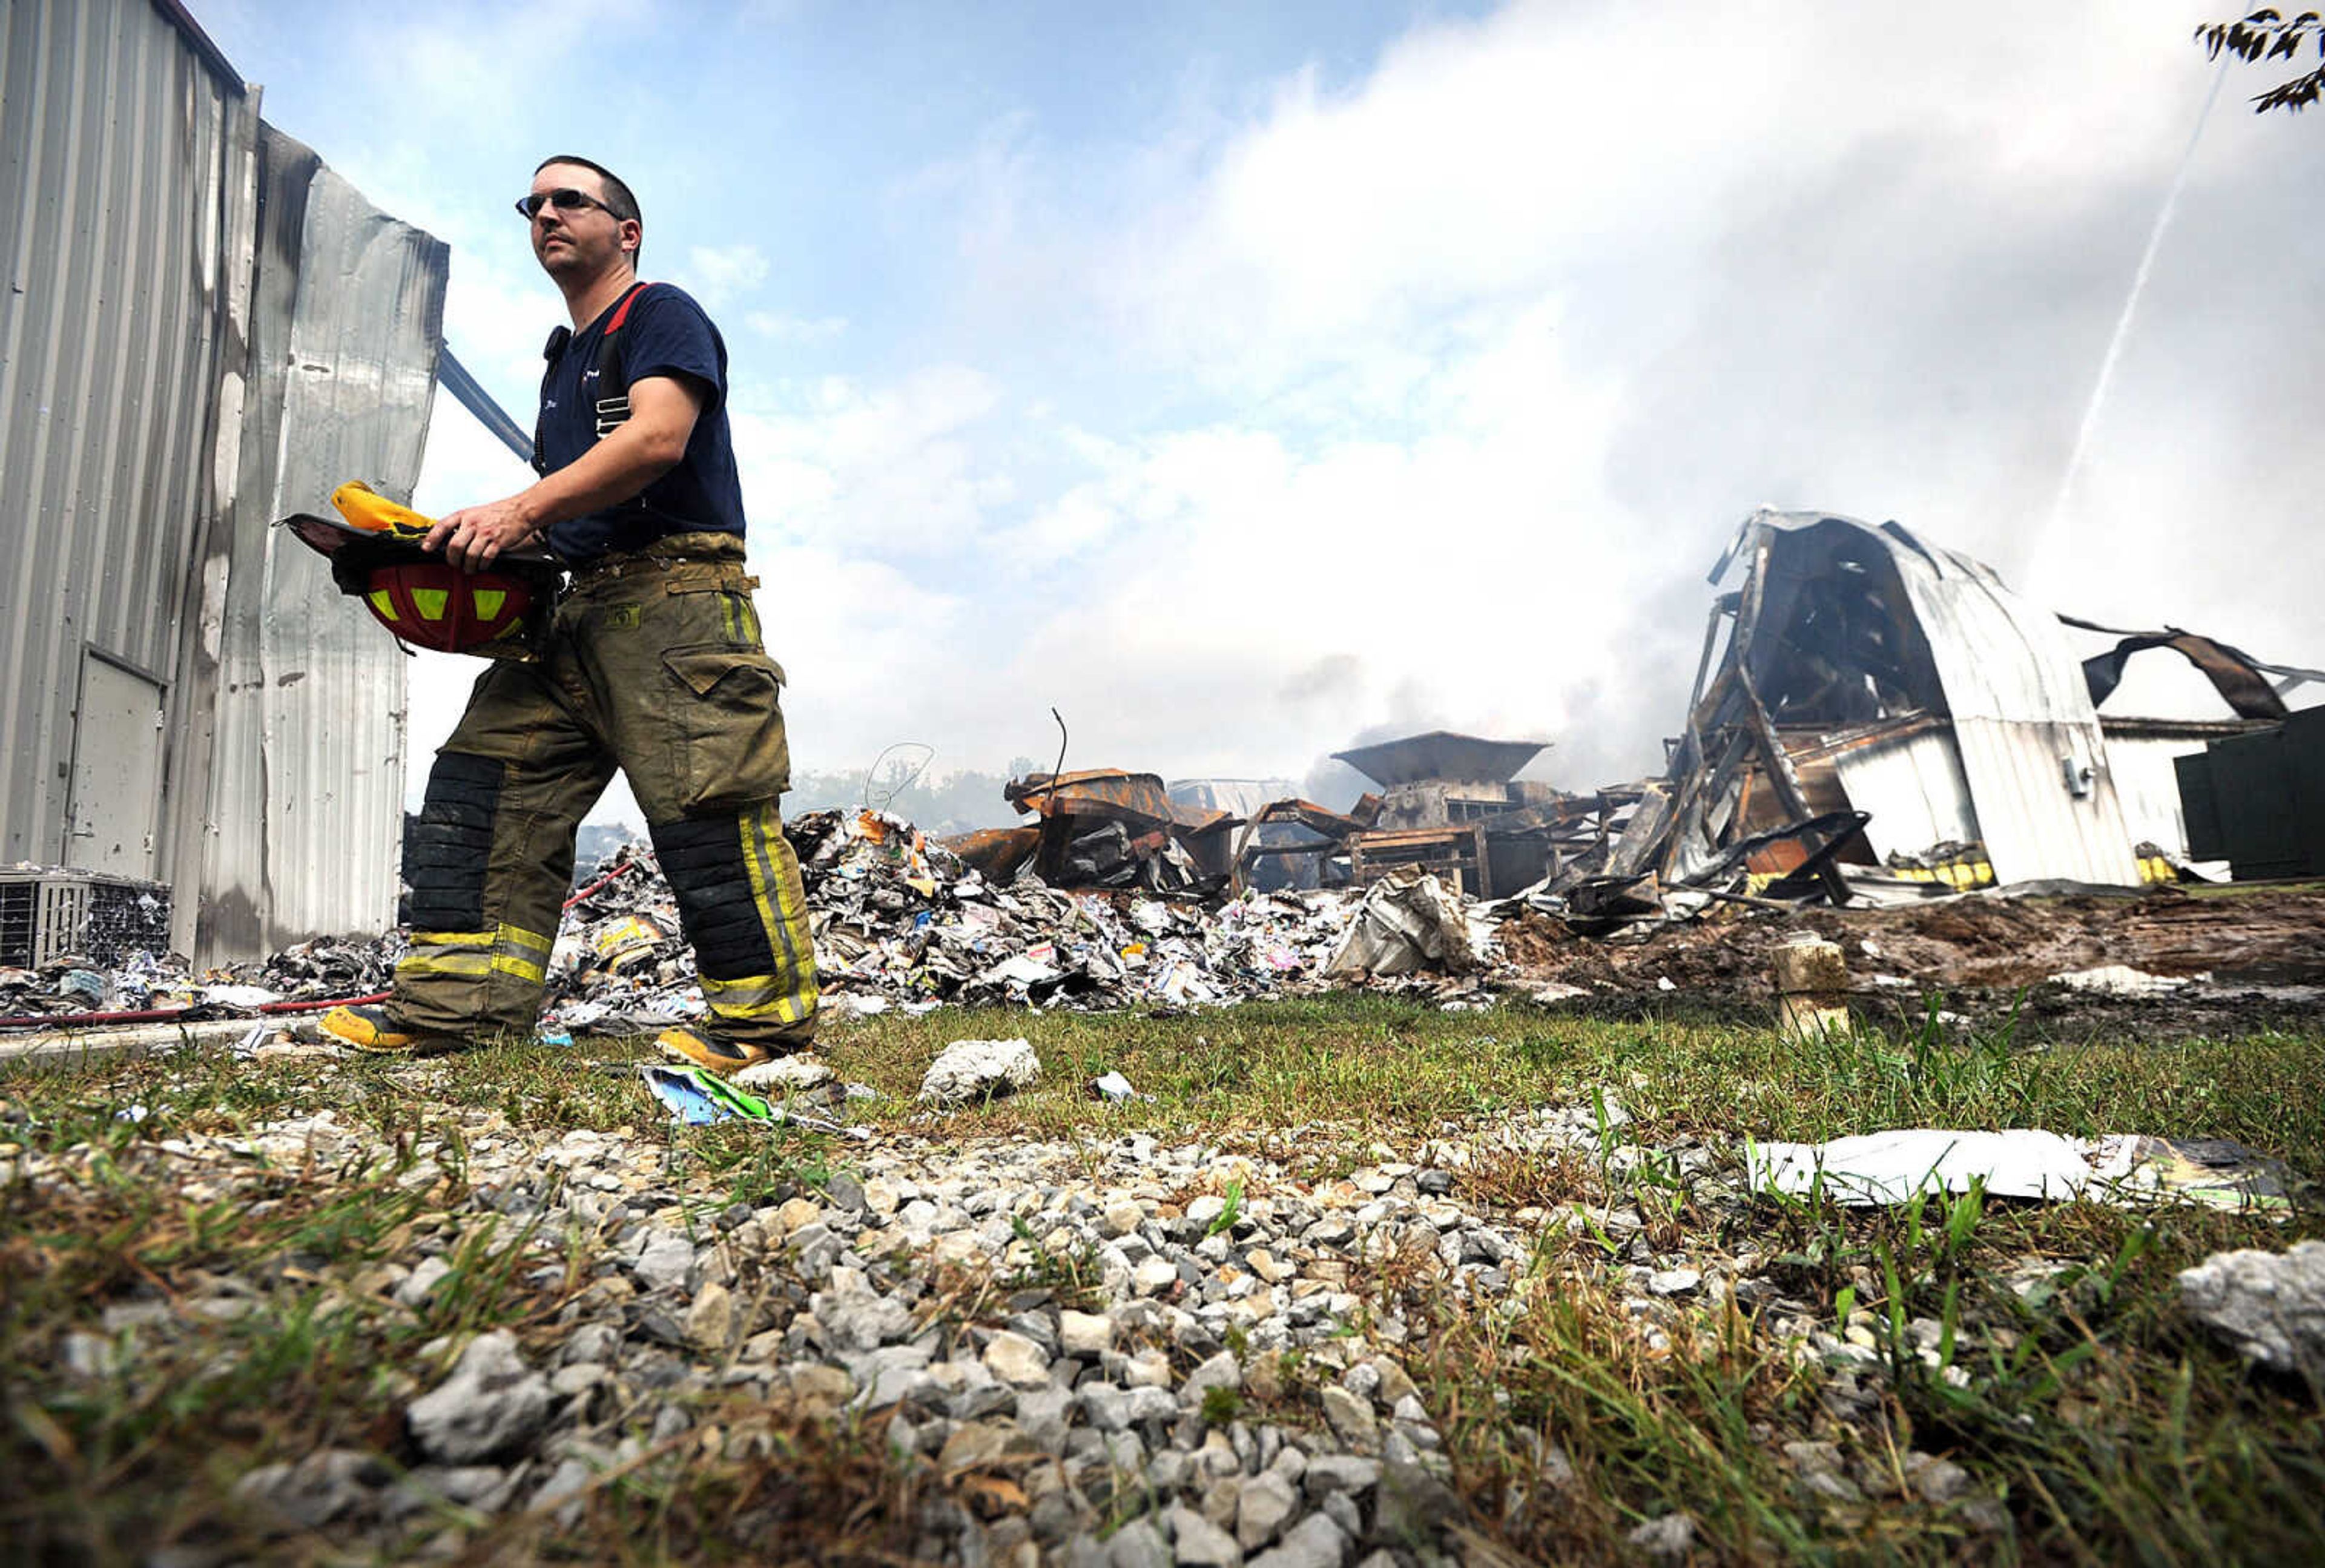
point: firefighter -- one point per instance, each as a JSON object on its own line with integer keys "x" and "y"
{"x": 653, "y": 664}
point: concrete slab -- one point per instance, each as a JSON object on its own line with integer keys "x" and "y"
{"x": 73, "y": 1050}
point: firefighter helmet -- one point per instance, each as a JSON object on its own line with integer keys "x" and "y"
{"x": 436, "y": 605}
{"x": 376, "y": 556}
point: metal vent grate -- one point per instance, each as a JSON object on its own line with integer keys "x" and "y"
{"x": 47, "y": 915}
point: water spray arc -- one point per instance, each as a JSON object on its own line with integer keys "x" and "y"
{"x": 2122, "y": 333}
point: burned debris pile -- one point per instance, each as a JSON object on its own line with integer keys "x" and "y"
{"x": 900, "y": 920}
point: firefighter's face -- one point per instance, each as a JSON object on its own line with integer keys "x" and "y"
{"x": 577, "y": 240}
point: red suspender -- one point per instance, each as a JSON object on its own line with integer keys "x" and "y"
{"x": 622, "y": 310}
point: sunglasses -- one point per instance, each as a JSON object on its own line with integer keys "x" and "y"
{"x": 565, "y": 201}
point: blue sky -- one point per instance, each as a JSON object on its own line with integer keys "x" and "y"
{"x": 1247, "y": 380}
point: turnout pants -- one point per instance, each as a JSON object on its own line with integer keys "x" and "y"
{"x": 654, "y": 666}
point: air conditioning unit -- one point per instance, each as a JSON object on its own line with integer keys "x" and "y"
{"x": 47, "y": 914}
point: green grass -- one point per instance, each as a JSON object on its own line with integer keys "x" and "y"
{"x": 1375, "y": 1067}
{"x": 2101, "y": 1426}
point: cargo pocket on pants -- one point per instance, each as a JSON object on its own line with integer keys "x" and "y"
{"x": 727, "y": 726}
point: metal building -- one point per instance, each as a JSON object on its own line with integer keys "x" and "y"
{"x": 203, "y": 329}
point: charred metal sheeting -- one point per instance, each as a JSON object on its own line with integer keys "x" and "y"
{"x": 1457, "y": 855}
{"x": 1309, "y": 814}
{"x": 1288, "y": 843}
{"x": 1440, "y": 755}
{"x": 1110, "y": 791}
{"x": 1843, "y": 622}
{"x": 1876, "y": 693}
{"x": 2241, "y": 679}
{"x": 1439, "y": 784}
{"x": 1104, "y": 827}
{"x": 1611, "y": 899}
{"x": 997, "y": 852}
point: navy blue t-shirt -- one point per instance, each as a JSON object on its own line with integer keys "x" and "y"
{"x": 664, "y": 333}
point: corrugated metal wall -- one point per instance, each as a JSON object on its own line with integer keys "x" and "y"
{"x": 204, "y": 329}
{"x": 2023, "y": 723}
{"x": 1914, "y": 787}
{"x": 306, "y": 782}
{"x": 123, "y": 165}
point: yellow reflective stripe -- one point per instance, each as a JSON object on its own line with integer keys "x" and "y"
{"x": 448, "y": 963}
{"x": 515, "y": 936}
{"x": 503, "y": 935}
{"x": 383, "y": 601}
{"x": 469, "y": 963}
{"x": 753, "y": 997}
{"x": 786, "y": 928}
{"x": 798, "y": 947}
{"x": 502, "y": 949}
{"x": 488, "y": 601}
{"x": 429, "y": 602}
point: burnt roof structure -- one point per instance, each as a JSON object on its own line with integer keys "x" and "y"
{"x": 1440, "y": 754}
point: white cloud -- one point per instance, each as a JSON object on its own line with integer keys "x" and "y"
{"x": 796, "y": 328}
{"x": 1516, "y": 155}
{"x": 721, "y": 273}
{"x": 886, "y": 471}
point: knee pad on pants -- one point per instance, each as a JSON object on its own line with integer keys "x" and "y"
{"x": 718, "y": 899}
{"x": 451, "y": 844}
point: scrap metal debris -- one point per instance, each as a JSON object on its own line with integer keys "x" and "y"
{"x": 1107, "y": 828}
{"x": 1410, "y": 921}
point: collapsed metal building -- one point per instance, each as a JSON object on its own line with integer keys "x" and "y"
{"x": 1875, "y": 715}
{"x": 205, "y": 328}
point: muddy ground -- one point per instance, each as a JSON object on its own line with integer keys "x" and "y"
{"x": 2246, "y": 958}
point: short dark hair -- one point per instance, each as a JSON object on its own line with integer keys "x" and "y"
{"x": 619, "y": 200}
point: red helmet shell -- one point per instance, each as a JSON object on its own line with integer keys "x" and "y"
{"x": 432, "y": 605}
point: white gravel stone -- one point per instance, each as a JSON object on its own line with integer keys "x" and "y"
{"x": 710, "y": 1321}
{"x": 2270, "y": 1305}
{"x": 1088, "y": 1335}
{"x": 1666, "y": 1538}
{"x": 972, "y": 1070}
{"x": 491, "y": 1407}
{"x": 1264, "y": 1504}
{"x": 1674, "y": 1281}
{"x": 424, "y": 1277}
{"x": 1351, "y": 1418}
{"x": 1197, "y": 1542}
{"x": 1340, "y": 1472}
{"x": 1104, "y": 1405}
{"x": 1315, "y": 1542}
{"x": 1220, "y": 1371}
{"x": 1138, "y": 1544}
{"x": 666, "y": 1261}
{"x": 1016, "y": 1361}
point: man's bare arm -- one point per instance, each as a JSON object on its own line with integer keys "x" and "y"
{"x": 635, "y": 454}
